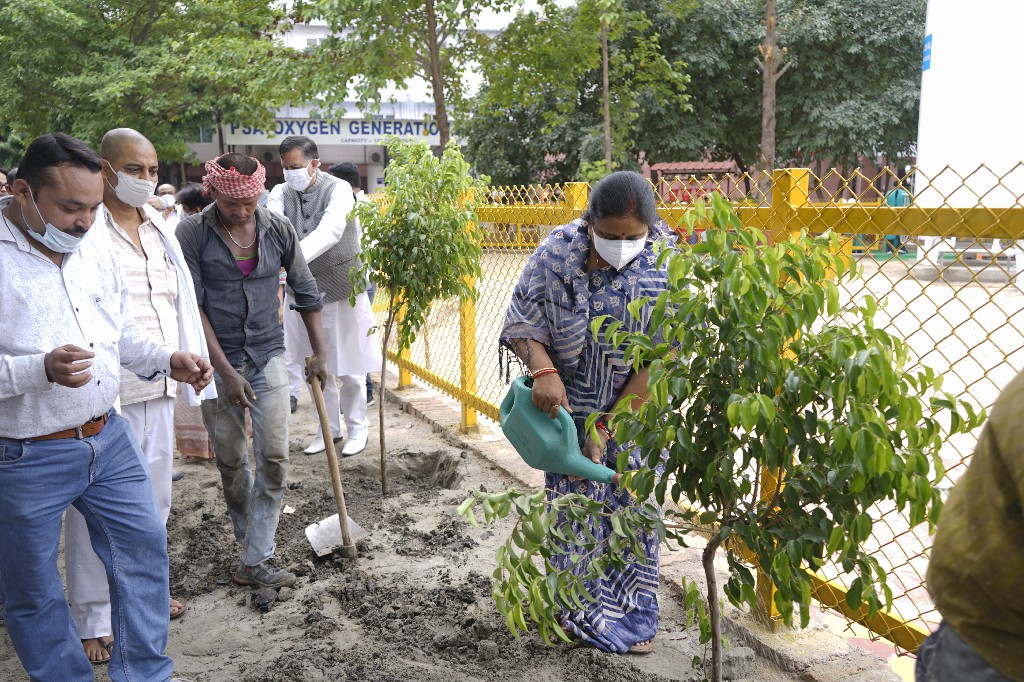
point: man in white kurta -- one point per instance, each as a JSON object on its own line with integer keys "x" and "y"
{"x": 319, "y": 206}
{"x": 159, "y": 284}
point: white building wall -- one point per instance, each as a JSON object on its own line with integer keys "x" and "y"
{"x": 971, "y": 104}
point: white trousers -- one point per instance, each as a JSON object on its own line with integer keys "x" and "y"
{"x": 152, "y": 424}
{"x": 351, "y": 399}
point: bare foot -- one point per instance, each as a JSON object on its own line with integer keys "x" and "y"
{"x": 98, "y": 649}
{"x": 177, "y": 608}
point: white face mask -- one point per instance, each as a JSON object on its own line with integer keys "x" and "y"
{"x": 53, "y": 238}
{"x": 168, "y": 200}
{"x": 619, "y": 253}
{"x": 298, "y": 179}
{"x": 131, "y": 190}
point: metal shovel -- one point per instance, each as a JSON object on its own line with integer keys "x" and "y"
{"x": 325, "y": 535}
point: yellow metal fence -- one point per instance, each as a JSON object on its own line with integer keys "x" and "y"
{"x": 942, "y": 253}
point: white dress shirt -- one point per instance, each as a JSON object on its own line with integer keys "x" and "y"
{"x": 84, "y": 302}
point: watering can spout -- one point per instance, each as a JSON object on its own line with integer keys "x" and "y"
{"x": 545, "y": 443}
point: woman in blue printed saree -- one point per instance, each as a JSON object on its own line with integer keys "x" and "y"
{"x": 591, "y": 267}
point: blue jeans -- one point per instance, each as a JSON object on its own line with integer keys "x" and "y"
{"x": 945, "y": 657}
{"x": 253, "y": 500}
{"x": 103, "y": 477}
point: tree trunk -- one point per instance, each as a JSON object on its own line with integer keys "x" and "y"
{"x": 708, "y": 560}
{"x": 388, "y": 326}
{"x": 607, "y": 97}
{"x": 436, "y": 81}
{"x": 769, "y": 75}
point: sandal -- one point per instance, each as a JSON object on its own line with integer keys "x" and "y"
{"x": 105, "y": 648}
{"x": 178, "y": 608}
{"x": 641, "y": 647}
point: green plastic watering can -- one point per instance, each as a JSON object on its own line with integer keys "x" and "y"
{"x": 545, "y": 443}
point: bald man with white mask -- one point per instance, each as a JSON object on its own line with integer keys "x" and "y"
{"x": 164, "y": 305}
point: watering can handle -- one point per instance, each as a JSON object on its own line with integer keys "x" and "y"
{"x": 564, "y": 420}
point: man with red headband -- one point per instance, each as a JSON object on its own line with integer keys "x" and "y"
{"x": 235, "y": 250}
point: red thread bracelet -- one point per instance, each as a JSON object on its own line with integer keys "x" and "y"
{"x": 543, "y": 371}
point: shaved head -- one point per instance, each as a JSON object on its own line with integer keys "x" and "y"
{"x": 118, "y": 140}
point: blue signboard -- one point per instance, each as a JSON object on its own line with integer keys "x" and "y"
{"x": 927, "y": 61}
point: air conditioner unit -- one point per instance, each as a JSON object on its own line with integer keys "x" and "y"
{"x": 375, "y": 157}
{"x": 267, "y": 156}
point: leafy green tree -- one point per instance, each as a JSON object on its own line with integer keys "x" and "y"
{"x": 547, "y": 64}
{"x": 504, "y": 142}
{"x": 852, "y": 88}
{"x": 510, "y": 144}
{"x": 377, "y": 44}
{"x": 12, "y": 147}
{"x": 718, "y": 41}
{"x": 418, "y": 242}
{"x": 163, "y": 67}
{"x": 761, "y": 371}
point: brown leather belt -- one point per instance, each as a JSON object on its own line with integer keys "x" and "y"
{"x": 86, "y": 430}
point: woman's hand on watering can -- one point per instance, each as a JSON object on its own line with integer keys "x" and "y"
{"x": 594, "y": 449}
{"x": 549, "y": 394}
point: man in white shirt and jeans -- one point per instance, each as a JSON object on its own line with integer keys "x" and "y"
{"x": 164, "y": 306}
{"x": 68, "y": 328}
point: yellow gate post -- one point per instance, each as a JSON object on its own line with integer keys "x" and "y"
{"x": 404, "y": 375}
{"x": 790, "y": 190}
{"x": 577, "y": 194}
{"x": 467, "y": 361}
{"x": 766, "y": 611}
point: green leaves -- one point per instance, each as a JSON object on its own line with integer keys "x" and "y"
{"x": 774, "y": 371}
{"x": 543, "y": 567}
{"x": 165, "y": 68}
{"x": 539, "y": 75}
{"x": 419, "y": 243}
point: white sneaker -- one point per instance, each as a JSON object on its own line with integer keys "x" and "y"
{"x": 356, "y": 442}
{"x": 316, "y": 447}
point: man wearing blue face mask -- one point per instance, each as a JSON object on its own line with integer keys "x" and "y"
{"x": 164, "y": 306}
{"x": 68, "y": 329}
{"x": 318, "y": 205}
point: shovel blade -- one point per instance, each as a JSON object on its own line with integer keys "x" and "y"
{"x": 325, "y": 535}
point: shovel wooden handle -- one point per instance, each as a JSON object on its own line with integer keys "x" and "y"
{"x": 348, "y": 548}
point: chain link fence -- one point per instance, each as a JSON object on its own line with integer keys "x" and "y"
{"x": 943, "y": 252}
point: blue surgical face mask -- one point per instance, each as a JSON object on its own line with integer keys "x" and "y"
{"x": 54, "y": 238}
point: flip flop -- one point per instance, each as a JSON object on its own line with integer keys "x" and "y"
{"x": 109, "y": 646}
{"x": 178, "y": 608}
{"x": 641, "y": 647}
